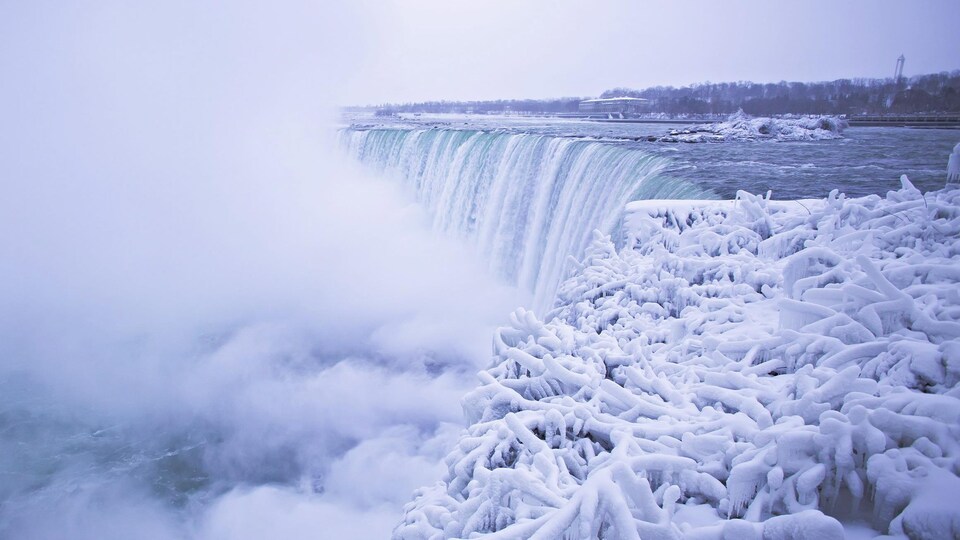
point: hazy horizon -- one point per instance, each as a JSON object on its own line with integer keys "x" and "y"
{"x": 427, "y": 51}
{"x": 639, "y": 88}
{"x": 366, "y": 53}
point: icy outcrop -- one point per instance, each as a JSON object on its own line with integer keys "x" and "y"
{"x": 743, "y": 369}
{"x": 742, "y": 127}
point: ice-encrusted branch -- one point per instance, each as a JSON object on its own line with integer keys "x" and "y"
{"x": 735, "y": 369}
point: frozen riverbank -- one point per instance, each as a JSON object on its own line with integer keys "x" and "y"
{"x": 753, "y": 368}
{"x": 742, "y": 127}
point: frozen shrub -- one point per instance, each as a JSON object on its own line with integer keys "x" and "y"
{"x": 738, "y": 369}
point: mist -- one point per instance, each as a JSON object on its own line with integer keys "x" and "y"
{"x": 209, "y": 322}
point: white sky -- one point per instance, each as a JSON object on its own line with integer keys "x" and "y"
{"x": 375, "y": 51}
{"x": 508, "y": 49}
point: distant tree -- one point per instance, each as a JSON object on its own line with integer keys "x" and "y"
{"x": 936, "y": 92}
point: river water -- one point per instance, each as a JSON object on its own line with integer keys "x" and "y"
{"x": 530, "y": 192}
{"x": 866, "y": 160}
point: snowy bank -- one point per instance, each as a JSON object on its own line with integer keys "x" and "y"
{"x": 749, "y": 369}
{"x": 741, "y": 127}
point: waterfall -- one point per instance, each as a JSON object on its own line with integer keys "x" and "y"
{"x": 528, "y": 201}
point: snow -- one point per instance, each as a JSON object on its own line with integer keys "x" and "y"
{"x": 742, "y": 127}
{"x": 735, "y": 369}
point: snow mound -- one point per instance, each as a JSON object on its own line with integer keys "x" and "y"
{"x": 748, "y": 369}
{"x": 742, "y": 127}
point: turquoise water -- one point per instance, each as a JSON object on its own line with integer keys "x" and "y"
{"x": 865, "y": 161}
{"x": 527, "y": 201}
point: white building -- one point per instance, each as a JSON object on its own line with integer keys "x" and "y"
{"x": 617, "y": 105}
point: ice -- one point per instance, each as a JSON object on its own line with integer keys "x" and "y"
{"x": 745, "y": 369}
{"x": 806, "y": 525}
{"x": 742, "y": 127}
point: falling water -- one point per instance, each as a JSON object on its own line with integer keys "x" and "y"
{"x": 528, "y": 201}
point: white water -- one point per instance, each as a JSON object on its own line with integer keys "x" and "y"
{"x": 528, "y": 201}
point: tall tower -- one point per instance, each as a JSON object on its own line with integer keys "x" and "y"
{"x": 898, "y": 73}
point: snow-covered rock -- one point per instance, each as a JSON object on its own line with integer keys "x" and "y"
{"x": 742, "y": 127}
{"x": 738, "y": 369}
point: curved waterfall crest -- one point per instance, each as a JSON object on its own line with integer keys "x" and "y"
{"x": 528, "y": 201}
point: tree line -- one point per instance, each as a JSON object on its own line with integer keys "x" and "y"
{"x": 937, "y": 92}
{"x": 932, "y": 93}
{"x": 532, "y": 106}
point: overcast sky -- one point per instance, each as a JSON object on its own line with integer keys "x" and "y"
{"x": 493, "y": 49}
{"x": 369, "y": 52}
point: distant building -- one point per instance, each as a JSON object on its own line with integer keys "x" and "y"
{"x": 617, "y": 105}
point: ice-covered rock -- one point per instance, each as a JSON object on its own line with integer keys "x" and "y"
{"x": 738, "y": 369}
{"x": 742, "y": 127}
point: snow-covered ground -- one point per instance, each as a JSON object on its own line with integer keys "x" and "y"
{"x": 738, "y": 369}
{"x": 742, "y": 127}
